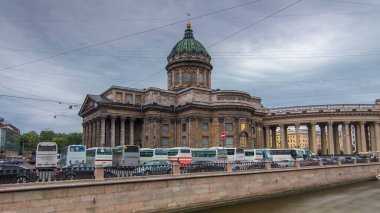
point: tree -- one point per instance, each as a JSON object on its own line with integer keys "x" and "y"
{"x": 46, "y": 136}
{"x": 30, "y": 140}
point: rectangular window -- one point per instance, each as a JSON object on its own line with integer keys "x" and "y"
{"x": 229, "y": 142}
{"x": 229, "y": 126}
{"x": 184, "y": 142}
{"x": 183, "y": 127}
{"x": 176, "y": 78}
{"x": 138, "y": 99}
{"x": 128, "y": 98}
{"x": 165, "y": 127}
{"x": 205, "y": 142}
{"x": 194, "y": 77}
{"x": 165, "y": 142}
{"x": 205, "y": 127}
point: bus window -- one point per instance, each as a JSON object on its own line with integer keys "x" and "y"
{"x": 102, "y": 151}
{"x": 77, "y": 148}
{"x": 173, "y": 152}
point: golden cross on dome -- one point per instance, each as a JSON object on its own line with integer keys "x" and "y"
{"x": 188, "y": 14}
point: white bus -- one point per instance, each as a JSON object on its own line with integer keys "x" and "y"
{"x": 286, "y": 154}
{"x": 127, "y": 155}
{"x": 233, "y": 154}
{"x": 214, "y": 155}
{"x": 46, "y": 155}
{"x": 73, "y": 154}
{"x": 253, "y": 155}
{"x": 182, "y": 155}
{"x": 147, "y": 155}
{"x": 99, "y": 156}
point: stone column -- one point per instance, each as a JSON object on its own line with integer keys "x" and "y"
{"x": 377, "y": 137}
{"x": 93, "y": 133}
{"x": 283, "y": 140}
{"x": 323, "y": 139}
{"x": 84, "y": 134}
{"x": 298, "y": 142}
{"x": 122, "y": 131}
{"x": 312, "y": 138}
{"x": 363, "y": 145}
{"x": 215, "y": 132}
{"x": 131, "y": 131}
{"x": 267, "y": 137}
{"x": 373, "y": 137}
{"x": 347, "y": 139}
{"x": 113, "y": 120}
{"x": 330, "y": 136}
{"x": 336, "y": 139}
{"x": 90, "y": 135}
{"x": 103, "y": 131}
{"x": 261, "y": 135}
{"x": 98, "y": 132}
{"x": 274, "y": 135}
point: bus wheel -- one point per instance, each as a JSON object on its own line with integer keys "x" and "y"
{"x": 21, "y": 179}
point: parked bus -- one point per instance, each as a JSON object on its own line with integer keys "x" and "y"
{"x": 286, "y": 154}
{"x": 214, "y": 155}
{"x": 182, "y": 155}
{"x": 99, "y": 156}
{"x": 127, "y": 155}
{"x": 147, "y": 155}
{"x": 233, "y": 154}
{"x": 46, "y": 155}
{"x": 73, "y": 154}
{"x": 257, "y": 155}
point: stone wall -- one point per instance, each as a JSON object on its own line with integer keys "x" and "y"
{"x": 164, "y": 193}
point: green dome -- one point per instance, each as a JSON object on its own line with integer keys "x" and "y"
{"x": 188, "y": 49}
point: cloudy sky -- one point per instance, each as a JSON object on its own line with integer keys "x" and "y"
{"x": 288, "y": 52}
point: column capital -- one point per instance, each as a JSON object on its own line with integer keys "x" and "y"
{"x": 346, "y": 122}
{"x": 362, "y": 122}
{"x": 103, "y": 117}
{"x": 122, "y": 118}
{"x": 113, "y": 117}
{"x": 313, "y": 123}
{"x": 131, "y": 119}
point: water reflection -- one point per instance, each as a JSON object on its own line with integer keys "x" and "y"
{"x": 359, "y": 197}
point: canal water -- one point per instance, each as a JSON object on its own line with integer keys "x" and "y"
{"x": 361, "y": 197}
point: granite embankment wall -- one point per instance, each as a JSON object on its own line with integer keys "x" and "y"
{"x": 167, "y": 193}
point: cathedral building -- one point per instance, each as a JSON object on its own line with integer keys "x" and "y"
{"x": 188, "y": 114}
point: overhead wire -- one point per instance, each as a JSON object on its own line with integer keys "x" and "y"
{"x": 126, "y": 36}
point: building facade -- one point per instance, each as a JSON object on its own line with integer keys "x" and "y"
{"x": 192, "y": 114}
{"x": 9, "y": 143}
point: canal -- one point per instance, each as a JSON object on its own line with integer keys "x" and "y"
{"x": 358, "y": 197}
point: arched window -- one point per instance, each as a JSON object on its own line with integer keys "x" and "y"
{"x": 185, "y": 77}
{"x": 194, "y": 77}
{"x": 176, "y": 78}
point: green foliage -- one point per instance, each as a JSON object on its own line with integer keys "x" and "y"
{"x": 319, "y": 152}
{"x": 31, "y": 139}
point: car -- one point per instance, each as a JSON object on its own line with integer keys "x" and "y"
{"x": 341, "y": 158}
{"x": 286, "y": 163}
{"x": 75, "y": 171}
{"x": 349, "y": 159}
{"x": 310, "y": 162}
{"x": 154, "y": 167}
{"x": 10, "y": 173}
{"x": 204, "y": 166}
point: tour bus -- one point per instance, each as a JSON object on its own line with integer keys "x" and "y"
{"x": 182, "y": 155}
{"x": 73, "y": 154}
{"x": 46, "y": 155}
{"x": 257, "y": 155}
{"x": 253, "y": 155}
{"x": 233, "y": 154}
{"x": 147, "y": 155}
{"x": 99, "y": 156}
{"x": 286, "y": 154}
{"x": 127, "y": 155}
{"x": 214, "y": 155}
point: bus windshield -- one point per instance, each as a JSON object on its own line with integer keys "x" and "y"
{"x": 47, "y": 148}
{"x": 160, "y": 152}
{"x": 103, "y": 152}
{"x": 77, "y": 148}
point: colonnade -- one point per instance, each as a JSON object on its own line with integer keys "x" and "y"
{"x": 109, "y": 131}
{"x": 357, "y": 136}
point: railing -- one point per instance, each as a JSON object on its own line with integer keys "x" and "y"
{"x": 321, "y": 107}
{"x": 33, "y": 175}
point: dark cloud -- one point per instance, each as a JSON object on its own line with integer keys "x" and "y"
{"x": 316, "y": 52}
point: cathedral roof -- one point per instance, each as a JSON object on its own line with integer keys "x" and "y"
{"x": 188, "y": 49}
